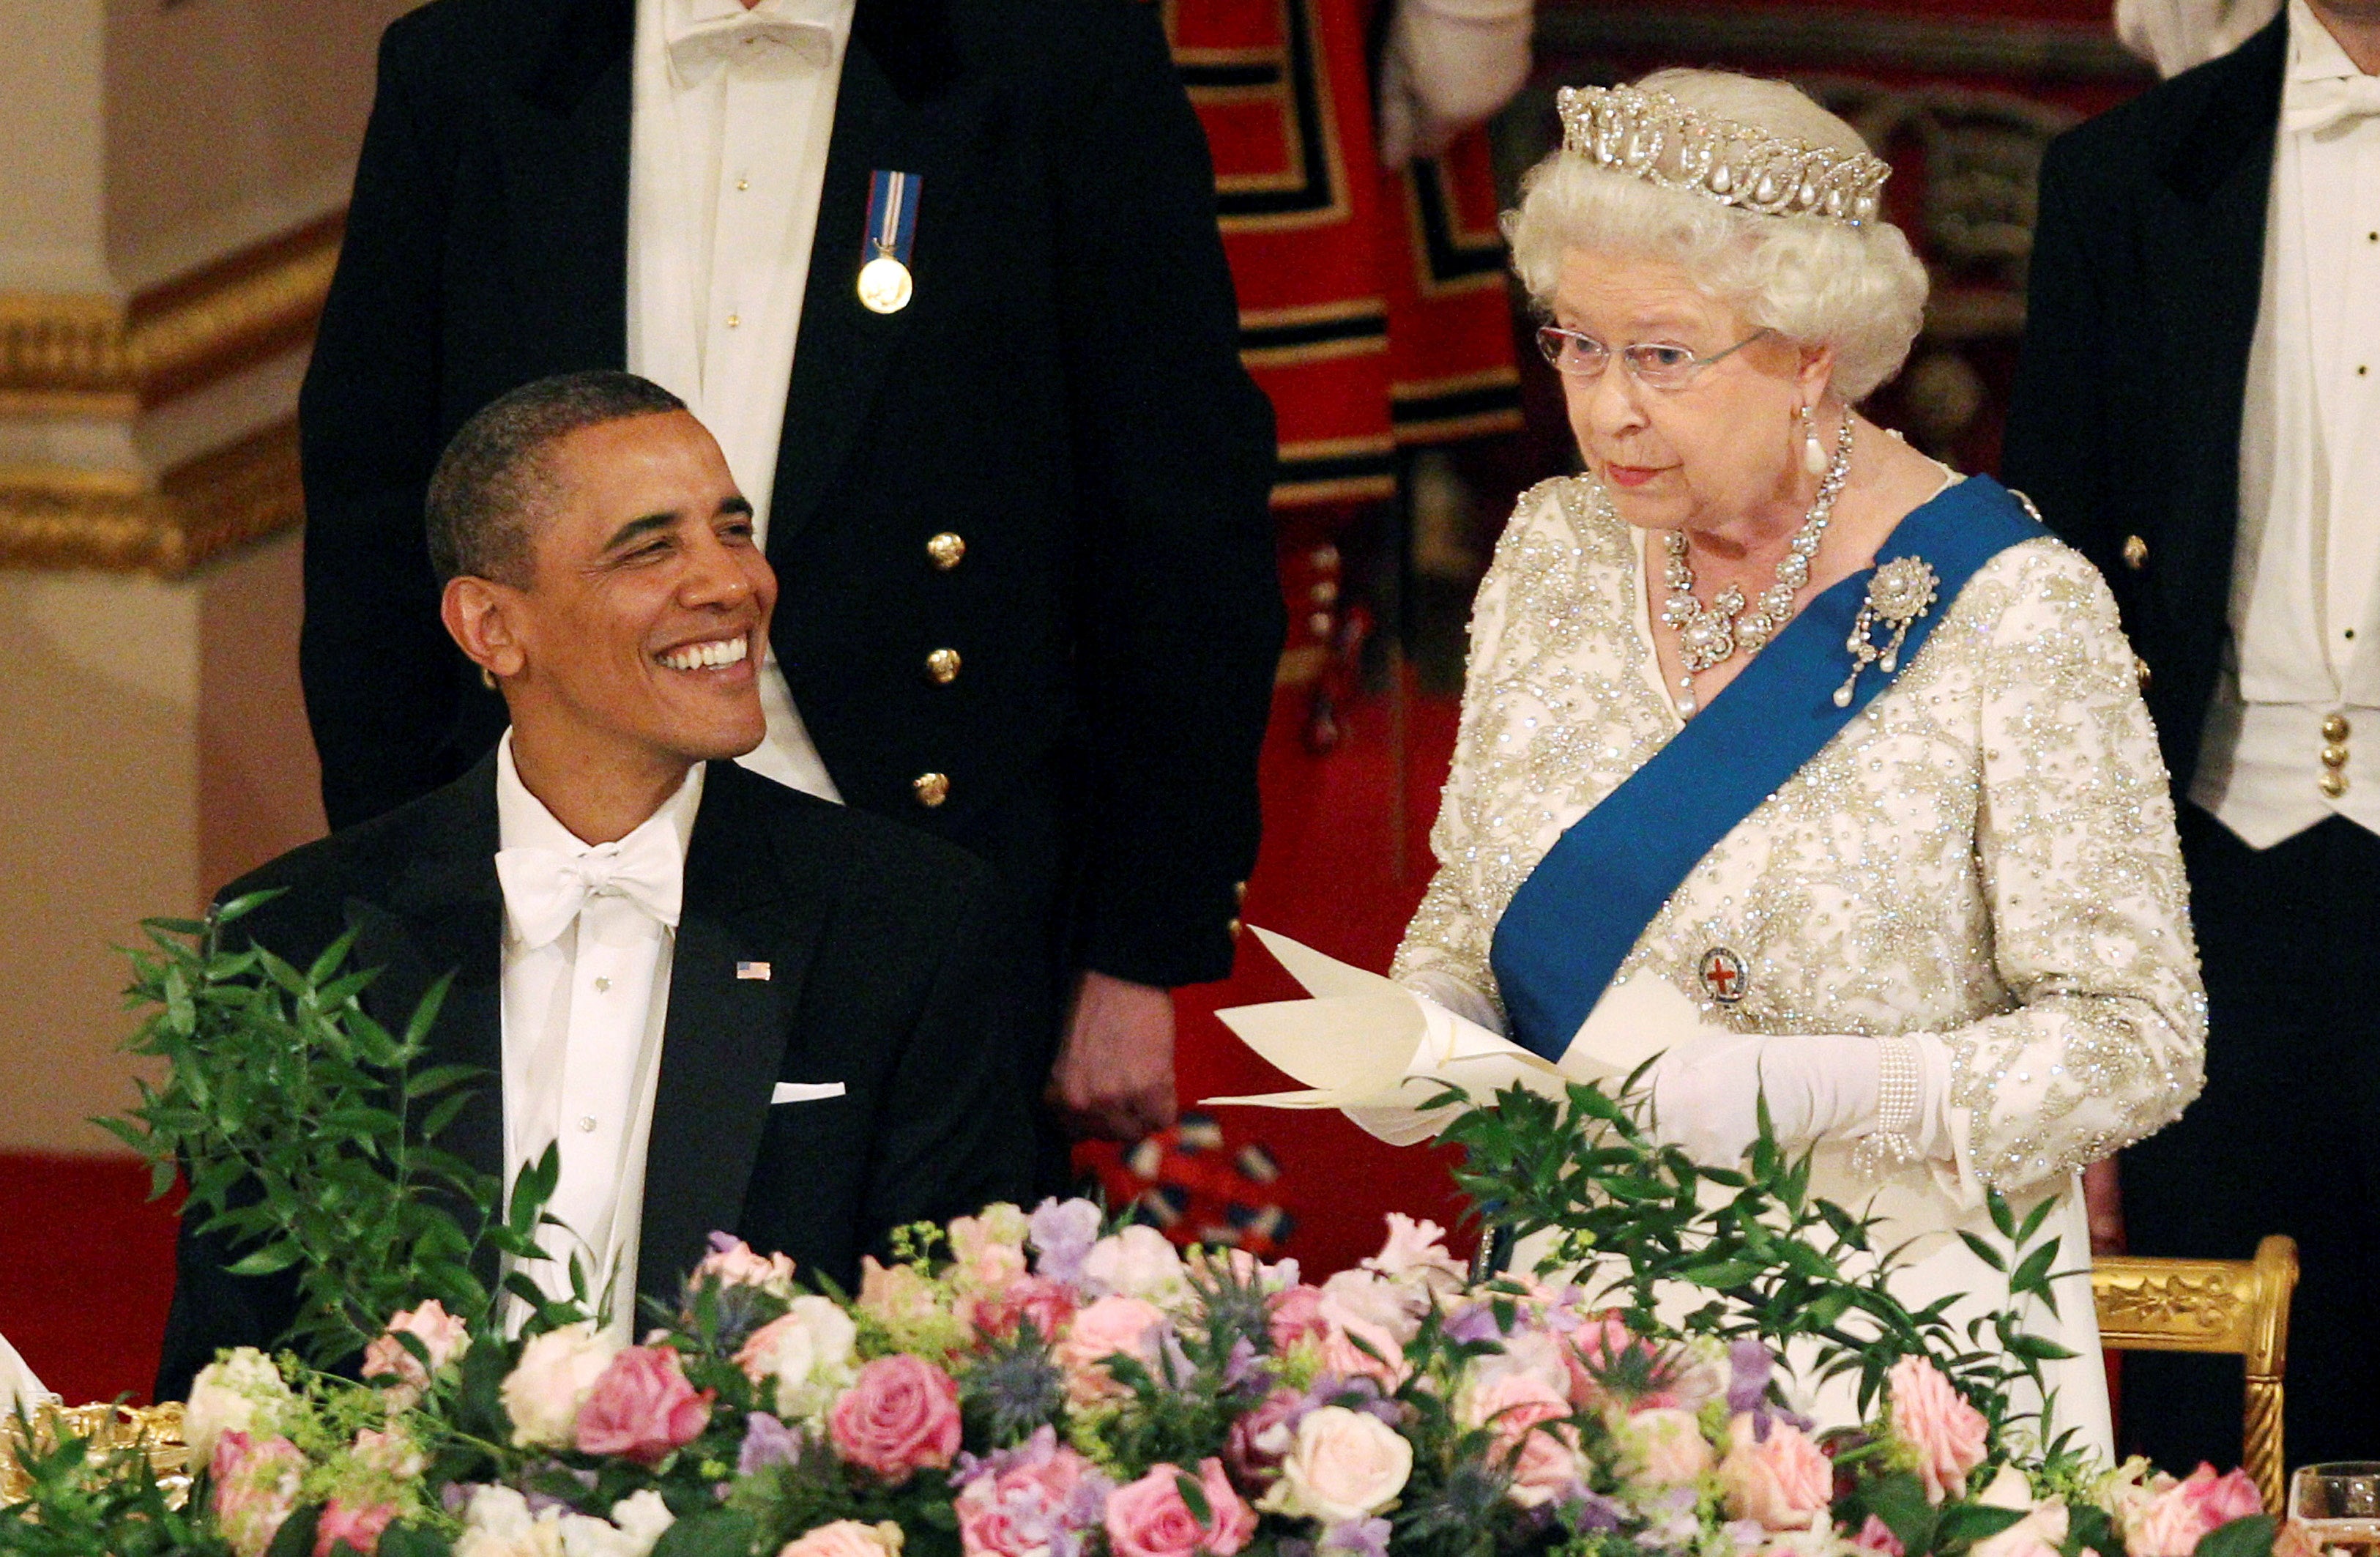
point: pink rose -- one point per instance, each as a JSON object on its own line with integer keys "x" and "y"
{"x": 1546, "y": 1467}
{"x": 1417, "y": 1249}
{"x": 894, "y": 1296}
{"x": 846, "y": 1538}
{"x": 1001, "y": 1315}
{"x": 1935, "y": 1420}
{"x": 1150, "y": 1518}
{"x": 359, "y": 1527}
{"x": 442, "y": 1334}
{"x": 1257, "y": 1440}
{"x": 1110, "y": 1325}
{"x": 1590, "y": 1350}
{"x": 1297, "y": 1316}
{"x": 1876, "y": 1535}
{"x": 255, "y": 1488}
{"x": 1666, "y": 1447}
{"x": 1510, "y": 1406}
{"x": 733, "y": 1262}
{"x": 1780, "y": 1480}
{"x": 641, "y": 1407}
{"x": 1016, "y": 1512}
{"x": 2176, "y": 1514}
{"x": 2222, "y": 1499}
{"x": 900, "y": 1415}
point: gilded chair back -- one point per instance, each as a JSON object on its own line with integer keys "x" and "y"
{"x": 2240, "y": 1306}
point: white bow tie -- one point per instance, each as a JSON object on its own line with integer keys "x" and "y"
{"x": 544, "y": 888}
{"x": 697, "y": 48}
{"x": 2333, "y": 100}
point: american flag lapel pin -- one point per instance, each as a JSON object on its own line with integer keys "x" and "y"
{"x": 752, "y": 970}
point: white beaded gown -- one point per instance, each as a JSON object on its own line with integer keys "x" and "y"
{"x": 1985, "y": 854}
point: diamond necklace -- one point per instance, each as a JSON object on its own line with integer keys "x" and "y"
{"x": 1708, "y": 635}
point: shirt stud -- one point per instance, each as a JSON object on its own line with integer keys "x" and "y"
{"x": 585, "y": 1124}
{"x": 602, "y": 986}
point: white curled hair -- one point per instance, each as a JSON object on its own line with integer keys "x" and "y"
{"x": 1814, "y": 281}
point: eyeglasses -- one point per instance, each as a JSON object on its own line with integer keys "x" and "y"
{"x": 1653, "y": 364}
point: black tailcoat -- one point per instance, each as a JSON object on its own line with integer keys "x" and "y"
{"x": 877, "y": 943}
{"x": 2148, "y": 267}
{"x": 1064, "y": 393}
{"x": 2147, "y": 277}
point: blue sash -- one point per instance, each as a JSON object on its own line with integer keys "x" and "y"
{"x": 1582, "y": 909}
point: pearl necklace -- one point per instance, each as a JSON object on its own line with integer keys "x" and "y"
{"x": 1708, "y": 635}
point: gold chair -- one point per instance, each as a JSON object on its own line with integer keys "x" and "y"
{"x": 2238, "y": 1307}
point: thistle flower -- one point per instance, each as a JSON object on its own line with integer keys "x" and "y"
{"x": 1015, "y": 1387}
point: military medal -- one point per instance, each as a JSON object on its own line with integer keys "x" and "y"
{"x": 885, "y": 285}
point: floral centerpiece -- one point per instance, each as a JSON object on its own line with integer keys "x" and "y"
{"x": 1046, "y": 1385}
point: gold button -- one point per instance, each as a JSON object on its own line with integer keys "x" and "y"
{"x": 933, "y": 789}
{"x": 2141, "y": 672}
{"x": 2136, "y": 553}
{"x": 1319, "y": 624}
{"x": 2334, "y": 757}
{"x": 1239, "y": 892}
{"x": 1235, "y": 926}
{"x": 733, "y": 320}
{"x": 2336, "y": 727}
{"x": 2334, "y": 785}
{"x": 743, "y": 183}
{"x": 943, "y": 664}
{"x": 945, "y": 550}
{"x": 1324, "y": 592}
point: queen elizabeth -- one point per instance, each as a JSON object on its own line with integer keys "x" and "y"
{"x": 1826, "y": 760}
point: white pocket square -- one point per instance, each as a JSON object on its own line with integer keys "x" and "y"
{"x": 804, "y": 1091}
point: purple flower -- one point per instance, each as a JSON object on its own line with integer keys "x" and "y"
{"x": 1361, "y": 1538}
{"x": 1062, "y": 1232}
{"x": 1592, "y": 1510}
{"x": 1473, "y": 1322}
{"x": 1359, "y": 1393}
{"x": 1241, "y": 1371}
{"x": 457, "y": 1496}
{"x": 1748, "y": 1363}
{"x": 766, "y": 1441}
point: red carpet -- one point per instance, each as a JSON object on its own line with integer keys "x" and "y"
{"x": 86, "y": 1270}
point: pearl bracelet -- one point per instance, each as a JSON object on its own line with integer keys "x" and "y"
{"x": 1898, "y": 1091}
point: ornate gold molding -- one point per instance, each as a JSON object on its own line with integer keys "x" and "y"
{"x": 68, "y": 355}
{"x": 219, "y": 501}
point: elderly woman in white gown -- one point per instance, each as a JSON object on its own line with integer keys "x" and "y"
{"x": 1786, "y": 739}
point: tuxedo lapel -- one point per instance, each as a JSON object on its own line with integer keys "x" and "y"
{"x": 896, "y": 109}
{"x": 723, "y": 1042}
{"x": 2204, "y": 259}
{"x": 564, "y": 138}
{"x": 446, "y": 914}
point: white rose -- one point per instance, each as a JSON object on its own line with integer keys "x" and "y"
{"x": 243, "y": 1392}
{"x": 544, "y": 1391}
{"x": 1137, "y": 1262}
{"x": 1342, "y": 1464}
{"x": 1375, "y": 1300}
{"x": 643, "y": 1518}
{"x": 2043, "y": 1528}
{"x": 809, "y": 1353}
{"x": 498, "y": 1524}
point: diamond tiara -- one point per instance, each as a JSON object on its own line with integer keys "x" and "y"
{"x": 1652, "y": 136}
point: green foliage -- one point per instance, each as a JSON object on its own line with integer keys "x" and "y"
{"x": 97, "y": 1505}
{"x": 1778, "y": 1261}
{"x": 309, "y": 1132}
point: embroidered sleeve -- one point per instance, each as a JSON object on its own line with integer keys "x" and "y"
{"x": 2075, "y": 846}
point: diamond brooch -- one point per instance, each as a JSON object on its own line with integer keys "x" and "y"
{"x": 1903, "y": 590}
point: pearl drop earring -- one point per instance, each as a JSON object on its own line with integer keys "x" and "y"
{"x": 1814, "y": 454}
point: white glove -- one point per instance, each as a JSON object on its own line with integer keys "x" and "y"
{"x": 1820, "y": 1087}
{"x": 1449, "y": 65}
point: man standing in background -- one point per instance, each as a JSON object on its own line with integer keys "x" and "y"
{"x": 2198, "y": 410}
{"x": 944, "y": 277}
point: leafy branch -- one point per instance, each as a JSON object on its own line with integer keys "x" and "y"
{"x": 1777, "y": 1261}
{"x": 308, "y": 1135}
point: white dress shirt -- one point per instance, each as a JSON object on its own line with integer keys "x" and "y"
{"x": 2304, "y": 613}
{"x": 731, "y": 116}
{"x": 583, "y": 1017}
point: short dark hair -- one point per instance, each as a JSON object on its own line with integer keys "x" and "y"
{"x": 489, "y": 484}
